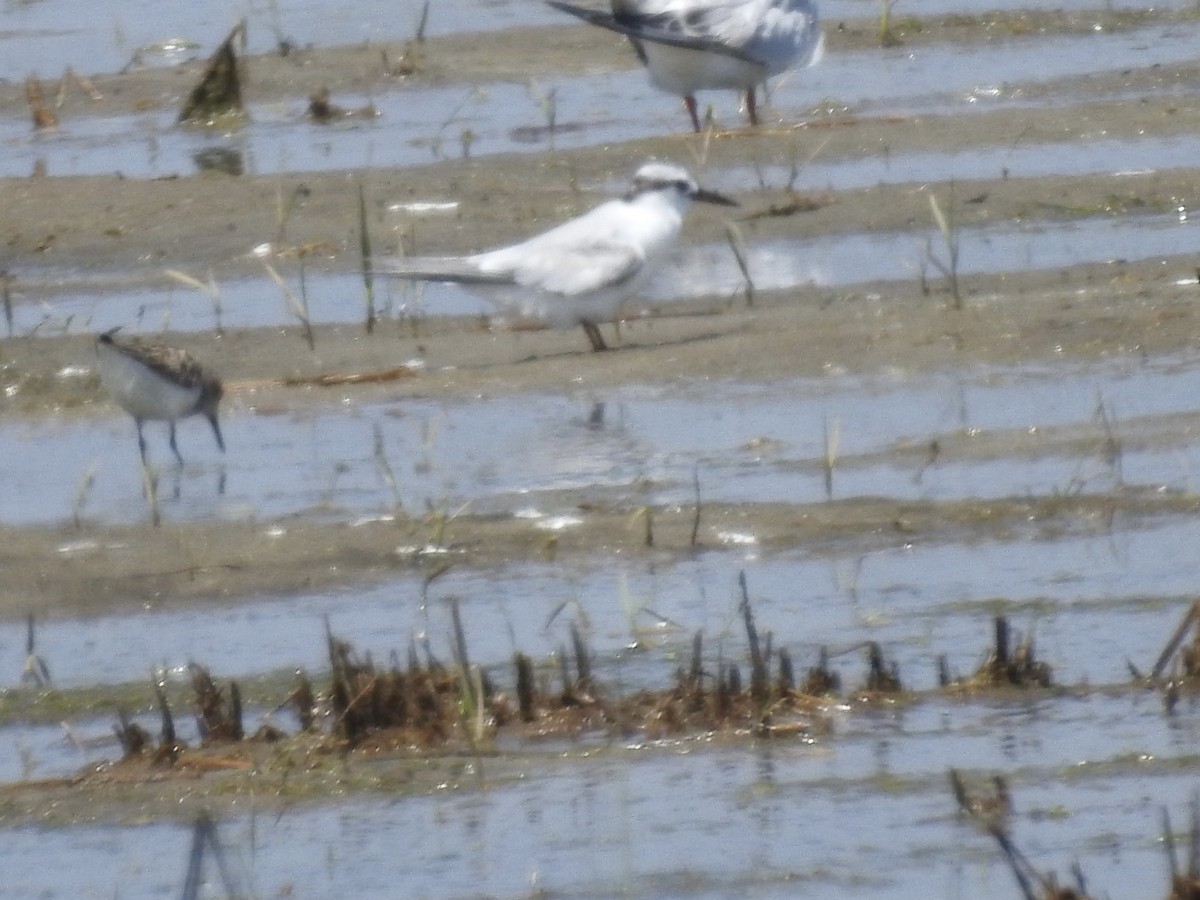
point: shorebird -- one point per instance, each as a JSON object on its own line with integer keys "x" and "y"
{"x": 150, "y": 381}
{"x": 693, "y": 45}
{"x": 582, "y": 271}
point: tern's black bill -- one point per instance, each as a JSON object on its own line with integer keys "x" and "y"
{"x": 704, "y": 196}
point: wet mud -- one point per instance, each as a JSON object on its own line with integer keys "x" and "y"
{"x": 109, "y": 236}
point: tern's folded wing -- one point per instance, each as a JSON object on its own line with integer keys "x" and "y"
{"x": 441, "y": 268}
{"x": 570, "y": 270}
{"x": 659, "y": 29}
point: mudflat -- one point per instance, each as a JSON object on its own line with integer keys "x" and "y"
{"x": 126, "y": 232}
{"x": 108, "y": 234}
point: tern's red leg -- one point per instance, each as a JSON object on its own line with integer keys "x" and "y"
{"x": 690, "y": 103}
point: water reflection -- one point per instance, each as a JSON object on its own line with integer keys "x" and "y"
{"x": 225, "y": 160}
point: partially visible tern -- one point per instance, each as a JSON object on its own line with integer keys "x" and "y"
{"x": 694, "y": 45}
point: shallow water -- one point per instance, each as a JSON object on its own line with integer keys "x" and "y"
{"x": 613, "y": 823}
{"x": 633, "y": 446}
{"x": 414, "y": 127}
{"x": 691, "y": 272}
{"x": 33, "y": 752}
{"x": 420, "y": 125}
{"x": 47, "y": 37}
{"x": 1017, "y": 160}
{"x": 902, "y": 256}
{"x": 1093, "y": 598}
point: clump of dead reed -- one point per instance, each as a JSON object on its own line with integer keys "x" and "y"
{"x": 429, "y": 704}
{"x": 882, "y": 677}
{"x": 419, "y": 705}
{"x": 709, "y": 700}
{"x": 218, "y": 95}
{"x": 322, "y": 109}
{"x": 1004, "y": 665}
{"x": 136, "y": 742}
{"x": 218, "y": 719}
{"x": 821, "y": 680}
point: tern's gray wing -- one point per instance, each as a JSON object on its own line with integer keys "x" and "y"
{"x": 659, "y": 29}
{"x": 568, "y": 269}
{"x": 459, "y": 269}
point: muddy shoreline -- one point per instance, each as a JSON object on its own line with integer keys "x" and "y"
{"x": 1117, "y": 312}
{"x": 109, "y": 234}
{"x": 112, "y": 234}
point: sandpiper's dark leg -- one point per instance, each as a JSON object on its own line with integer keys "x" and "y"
{"x": 141, "y": 440}
{"x": 175, "y": 449}
{"x": 689, "y": 103}
{"x": 592, "y": 330}
{"x": 751, "y": 107}
{"x": 216, "y": 427}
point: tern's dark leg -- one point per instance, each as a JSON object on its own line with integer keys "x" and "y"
{"x": 141, "y": 440}
{"x": 751, "y": 107}
{"x": 592, "y": 330}
{"x": 689, "y": 103}
{"x": 175, "y": 449}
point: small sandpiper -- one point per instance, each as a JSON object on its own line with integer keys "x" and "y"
{"x": 151, "y": 381}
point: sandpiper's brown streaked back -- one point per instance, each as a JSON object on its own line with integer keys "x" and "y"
{"x": 152, "y": 381}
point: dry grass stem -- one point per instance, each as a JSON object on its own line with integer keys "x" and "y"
{"x": 44, "y": 118}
